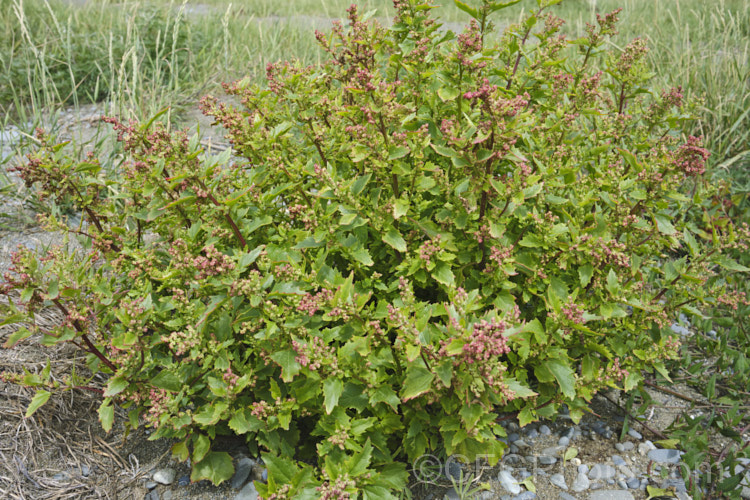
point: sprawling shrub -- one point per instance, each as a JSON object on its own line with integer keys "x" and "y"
{"x": 421, "y": 232}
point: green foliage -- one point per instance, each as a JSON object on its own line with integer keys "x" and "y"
{"x": 407, "y": 238}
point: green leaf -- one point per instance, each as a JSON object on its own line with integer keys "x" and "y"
{"x": 495, "y": 6}
{"x": 106, "y": 415}
{"x": 332, "y": 389}
{"x": 17, "y": 336}
{"x": 443, "y": 274}
{"x": 447, "y": 93}
{"x": 400, "y": 208}
{"x": 216, "y": 467}
{"x": 384, "y": 394}
{"x": 362, "y": 256}
{"x": 521, "y": 391}
{"x": 360, "y": 461}
{"x": 38, "y": 400}
{"x": 613, "y": 283}
{"x": 115, "y": 386}
{"x": 167, "y": 380}
{"x": 585, "y": 273}
{"x": 396, "y": 152}
{"x": 53, "y": 290}
{"x": 443, "y": 151}
{"x": 564, "y": 376}
{"x": 469, "y": 10}
{"x": 289, "y": 366}
{"x": 730, "y": 264}
{"x": 280, "y": 469}
{"x": 359, "y": 184}
{"x": 201, "y": 447}
{"x": 394, "y": 239}
{"x": 664, "y": 225}
{"x": 418, "y": 381}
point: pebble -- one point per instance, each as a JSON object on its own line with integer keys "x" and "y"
{"x": 152, "y": 495}
{"x": 563, "y": 441}
{"x": 633, "y": 483}
{"x": 513, "y": 436}
{"x": 547, "y": 460}
{"x": 559, "y": 481}
{"x": 566, "y": 496}
{"x": 628, "y": 445}
{"x": 184, "y": 480}
{"x": 150, "y": 485}
{"x": 521, "y": 443}
{"x": 635, "y": 434}
{"x": 167, "y": 495}
{"x": 602, "y": 471}
{"x": 679, "y": 329}
{"x": 526, "y": 495}
{"x": 618, "y": 460}
{"x": 645, "y": 447}
{"x": 164, "y": 476}
{"x": 85, "y": 470}
{"x": 508, "y": 482}
{"x": 611, "y": 495}
{"x": 241, "y": 472}
{"x": 625, "y": 470}
{"x": 248, "y": 492}
{"x": 583, "y": 469}
{"x": 533, "y": 433}
{"x": 545, "y": 430}
{"x": 581, "y": 482}
{"x": 664, "y": 456}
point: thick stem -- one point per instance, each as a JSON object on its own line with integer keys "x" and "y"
{"x": 91, "y": 347}
{"x": 228, "y": 218}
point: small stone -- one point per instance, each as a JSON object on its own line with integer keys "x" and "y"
{"x": 520, "y": 443}
{"x": 622, "y": 484}
{"x": 164, "y": 476}
{"x": 508, "y": 482}
{"x": 645, "y": 447}
{"x": 248, "y": 492}
{"x": 633, "y": 483}
{"x": 513, "y": 436}
{"x": 563, "y": 441}
{"x": 60, "y": 476}
{"x": 553, "y": 451}
{"x": 241, "y": 472}
{"x": 618, "y": 460}
{"x": 611, "y": 495}
{"x": 619, "y": 447}
{"x": 625, "y": 470}
{"x": 513, "y": 427}
{"x": 635, "y": 434}
{"x": 544, "y": 430}
{"x": 566, "y": 496}
{"x": 513, "y": 449}
{"x": 575, "y": 462}
{"x": 150, "y": 485}
{"x": 451, "y": 494}
{"x": 677, "y": 484}
{"x": 533, "y": 433}
{"x": 664, "y": 456}
{"x": 152, "y": 495}
{"x": 568, "y": 433}
{"x": 85, "y": 470}
{"x": 547, "y": 460}
{"x": 167, "y": 495}
{"x": 583, "y": 469}
{"x": 526, "y": 495}
{"x": 679, "y": 329}
{"x": 712, "y": 334}
{"x": 581, "y": 482}
{"x": 559, "y": 481}
{"x": 184, "y": 480}
{"x": 628, "y": 445}
{"x": 602, "y": 471}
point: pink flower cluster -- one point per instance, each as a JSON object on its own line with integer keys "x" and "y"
{"x": 691, "y": 158}
{"x": 500, "y": 255}
{"x": 311, "y": 303}
{"x": 182, "y": 342}
{"x": 337, "y": 489}
{"x": 573, "y": 312}
{"x": 619, "y": 373}
{"x": 428, "y": 249}
{"x": 212, "y": 264}
{"x": 487, "y": 341}
{"x": 261, "y": 409}
{"x": 158, "y": 399}
{"x": 603, "y": 252}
